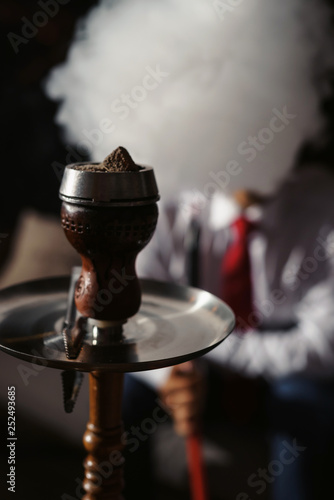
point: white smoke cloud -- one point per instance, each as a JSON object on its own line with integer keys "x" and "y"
{"x": 228, "y": 68}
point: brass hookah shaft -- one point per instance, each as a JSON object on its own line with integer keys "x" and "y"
{"x": 109, "y": 214}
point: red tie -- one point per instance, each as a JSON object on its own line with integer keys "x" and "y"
{"x": 236, "y": 274}
{"x": 241, "y": 397}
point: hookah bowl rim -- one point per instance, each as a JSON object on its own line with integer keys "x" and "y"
{"x": 108, "y": 189}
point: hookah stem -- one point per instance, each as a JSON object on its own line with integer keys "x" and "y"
{"x": 194, "y": 442}
{"x": 103, "y": 437}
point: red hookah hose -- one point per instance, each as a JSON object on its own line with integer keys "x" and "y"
{"x": 196, "y": 467}
{"x": 194, "y": 442}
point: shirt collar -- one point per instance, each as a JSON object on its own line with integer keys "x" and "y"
{"x": 224, "y": 210}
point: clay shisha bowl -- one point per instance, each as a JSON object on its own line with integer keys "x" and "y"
{"x": 108, "y": 217}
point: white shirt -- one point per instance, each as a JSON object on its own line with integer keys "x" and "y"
{"x": 292, "y": 259}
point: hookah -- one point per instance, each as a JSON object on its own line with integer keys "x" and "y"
{"x": 103, "y": 319}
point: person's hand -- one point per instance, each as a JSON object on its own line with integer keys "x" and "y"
{"x": 183, "y": 393}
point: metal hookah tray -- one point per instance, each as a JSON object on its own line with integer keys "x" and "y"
{"x": 174, "y": 324}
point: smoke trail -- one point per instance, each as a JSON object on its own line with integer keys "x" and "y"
{"x": 185, "y": 83}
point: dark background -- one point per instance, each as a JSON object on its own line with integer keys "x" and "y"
{"x": 29, "y": 138}
{"x": 46, "y": 467}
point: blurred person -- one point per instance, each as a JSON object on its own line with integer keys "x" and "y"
{"x": 288, "y": 336}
